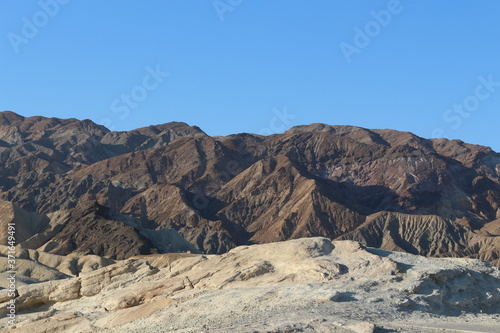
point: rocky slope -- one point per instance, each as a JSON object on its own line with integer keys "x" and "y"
{"x": 171, "y": 187}
{"x": 87, "y": 229}
{"x": 303, "y": 285}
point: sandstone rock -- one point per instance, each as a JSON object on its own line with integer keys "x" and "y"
{"x": 308, "y": 284}
{"x": 119, "y": 274}
{"x": 362, "y": 327}
{"x": 36, "y": 294}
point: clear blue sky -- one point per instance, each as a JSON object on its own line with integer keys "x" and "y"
{"x": 227, "y": 76}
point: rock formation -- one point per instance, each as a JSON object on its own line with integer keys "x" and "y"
{"x": 75, "y": 187}
{"x": 165, "y": 228}
{"x": 303, "y": 285}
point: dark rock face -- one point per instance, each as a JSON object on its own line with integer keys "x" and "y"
{"x": 87, "y": 229}
{"x": 386, "y": 188}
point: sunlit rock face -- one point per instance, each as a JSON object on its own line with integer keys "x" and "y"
{"x": 304, "y": 285}
{"x": 171, "y": 187}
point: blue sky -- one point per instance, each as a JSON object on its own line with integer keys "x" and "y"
{"x": 229, "y": 66}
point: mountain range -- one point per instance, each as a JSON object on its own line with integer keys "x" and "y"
{"x": 73, "y": 186}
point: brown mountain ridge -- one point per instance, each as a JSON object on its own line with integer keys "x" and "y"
{"x": 172, "y": 187}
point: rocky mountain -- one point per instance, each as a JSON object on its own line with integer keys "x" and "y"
{"x": 79, "y": 188}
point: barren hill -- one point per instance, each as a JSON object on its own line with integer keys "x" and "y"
{"x": 172, "y": 187}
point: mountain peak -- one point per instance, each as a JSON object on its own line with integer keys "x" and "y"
{"x": 9, "y": 117}
{"x": 217, "y": 193}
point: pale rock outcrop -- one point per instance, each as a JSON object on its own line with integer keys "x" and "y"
{"x": 308, "y": 285}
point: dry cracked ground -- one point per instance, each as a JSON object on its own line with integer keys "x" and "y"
{"x": 303, "y": 285}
